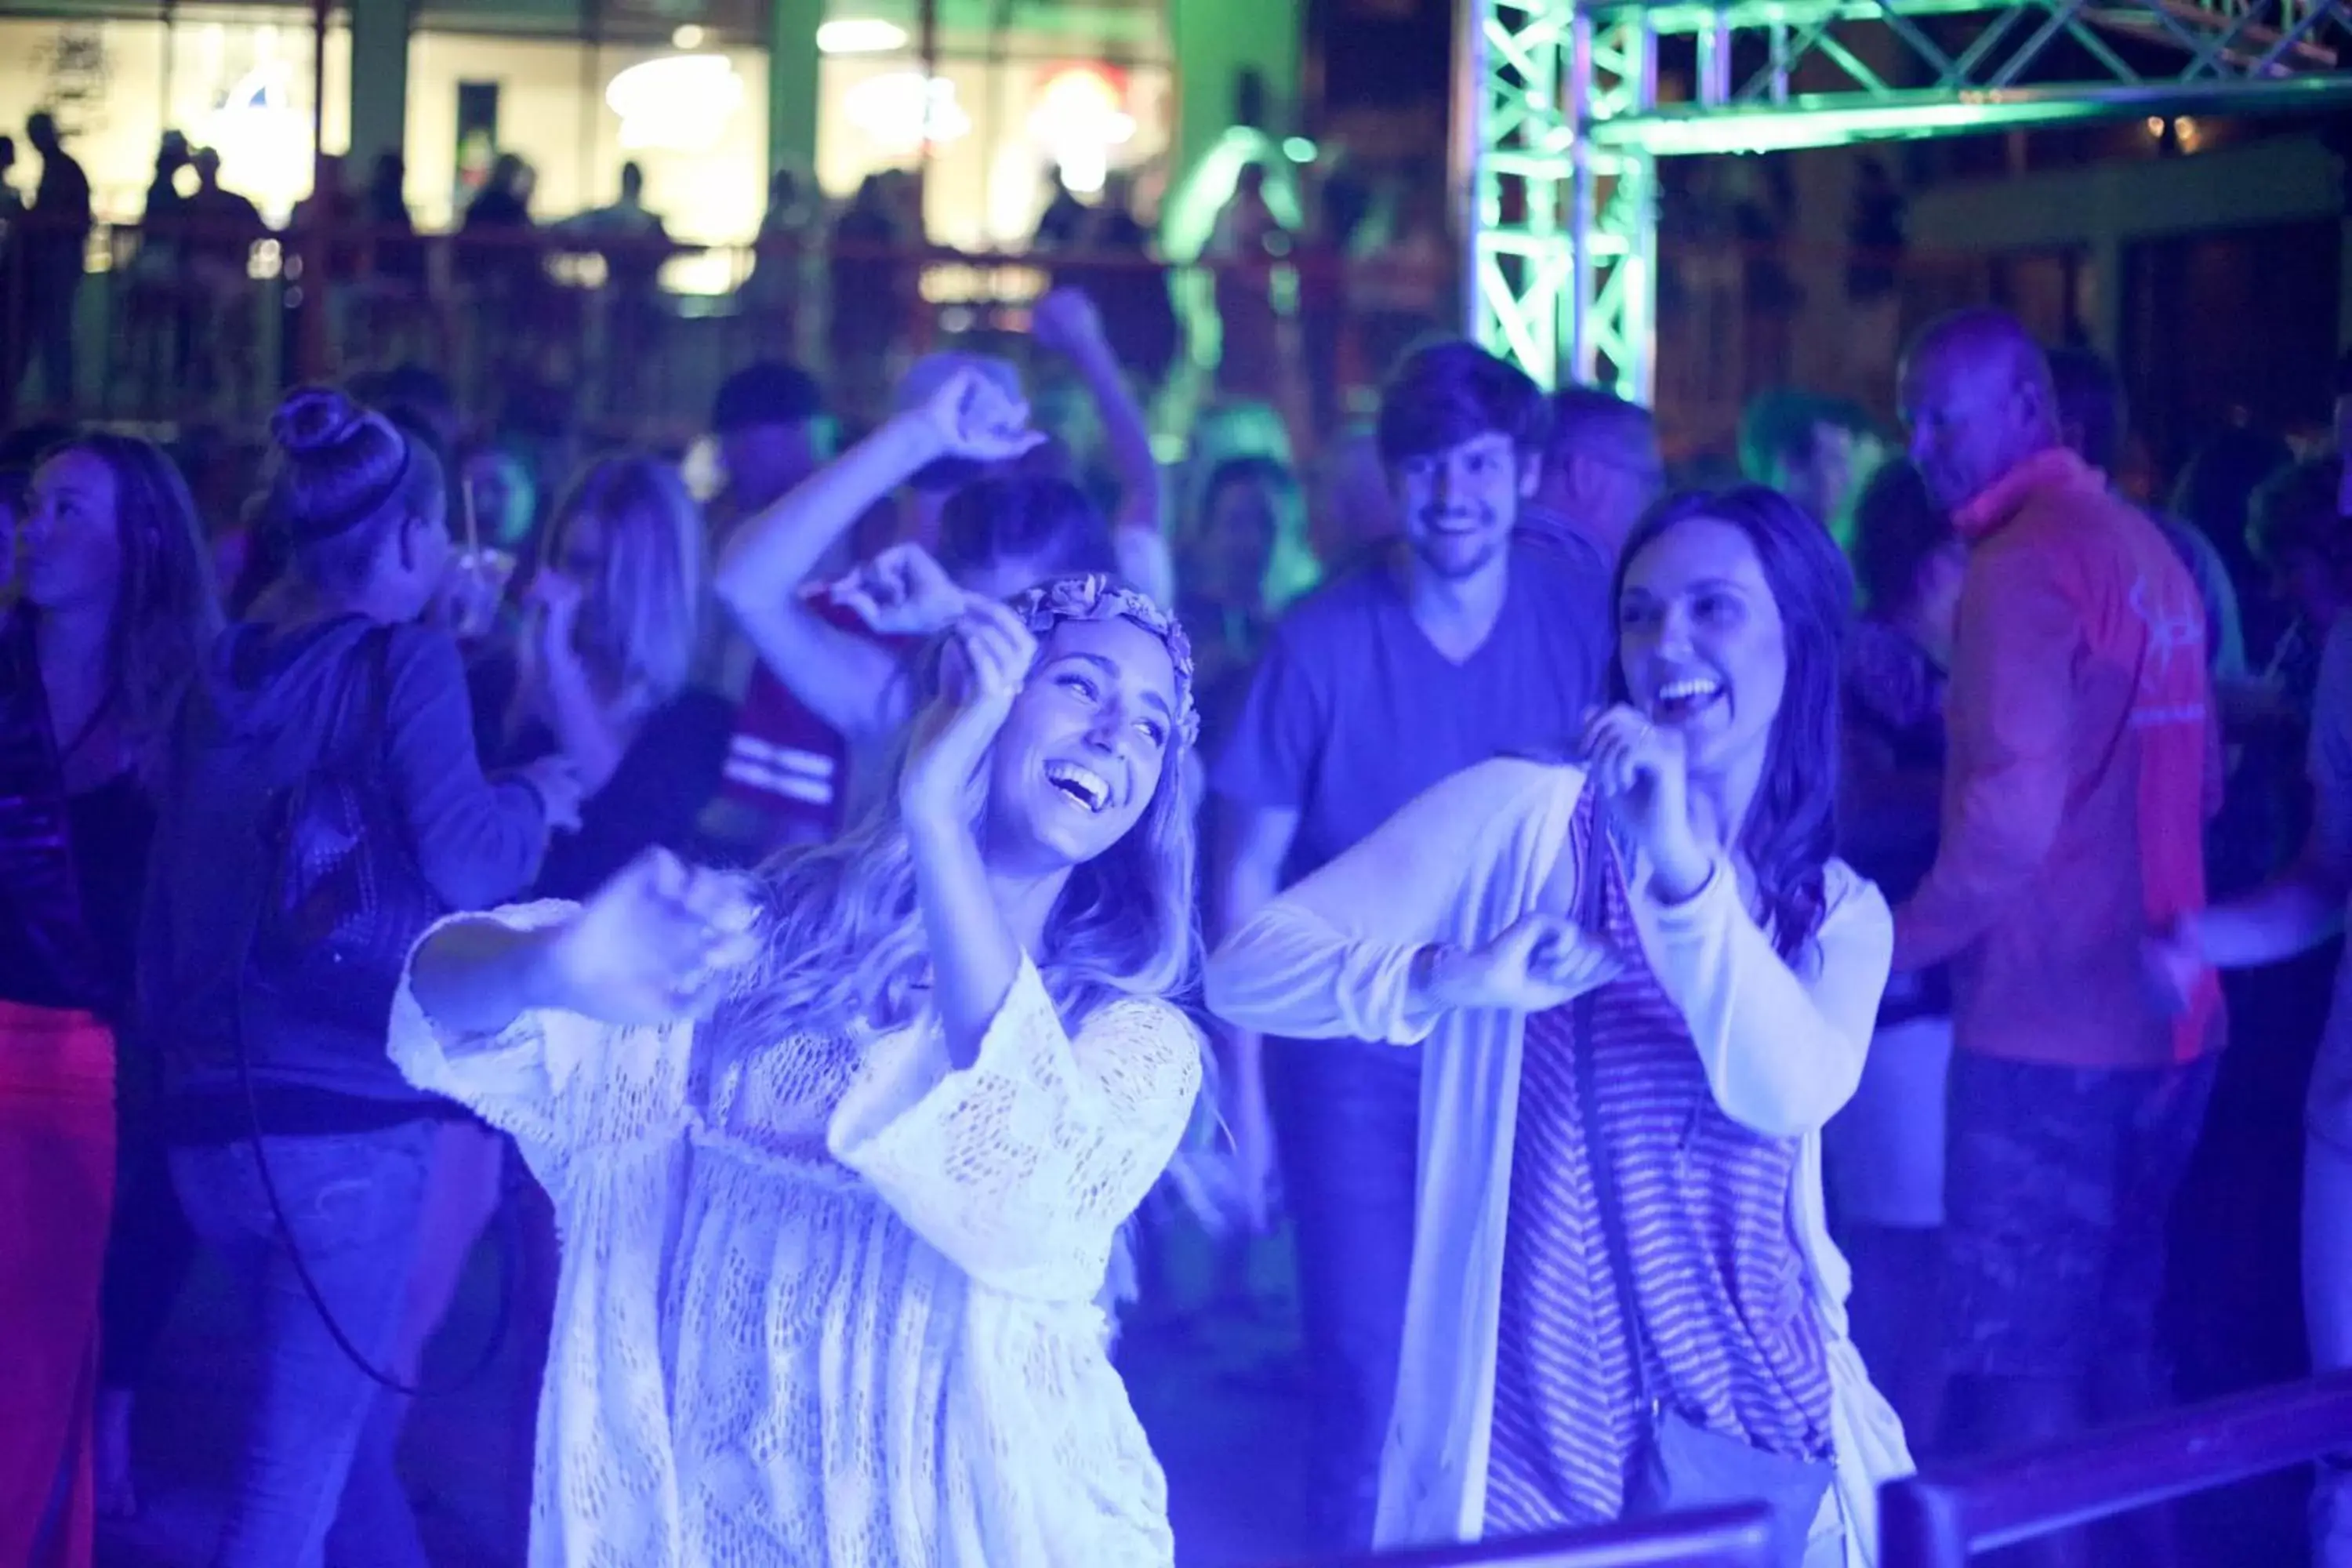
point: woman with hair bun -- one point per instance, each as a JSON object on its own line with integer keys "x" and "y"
{"x": 323, "y": 788}
{"x": 117, "y": 610}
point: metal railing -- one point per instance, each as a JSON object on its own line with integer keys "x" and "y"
{"x": 1941, "y": 1519}
{"x": 1716, "y": 1538}
{"x": 159, "y": 341}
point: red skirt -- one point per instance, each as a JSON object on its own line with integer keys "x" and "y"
{"x": 56, "y": 1191}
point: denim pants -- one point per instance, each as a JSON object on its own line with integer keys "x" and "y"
{"x": 352, "y": 1204}
{"x": 2327, "y": 1256}
{"x": 57, "y": 1178}
{"x": 2327, "y": 1312}
{"x": 1346, "y": 1119}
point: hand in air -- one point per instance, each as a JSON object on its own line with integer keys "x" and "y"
{"x": 971, "y": 415}
{"x": 560, "y": 792}
{"x": 554, "y": 600}
{"x": 2173, "y": 961}
{"x": 660, "y": 942}
{"x": 1066, "y": 322}
{"x": 986, "y": 662}
{"x": 471, "y": 591}
{"x": 1642, "y": 776}
{"x": 1541, "y": 962}
{"x": 902, "y": 592}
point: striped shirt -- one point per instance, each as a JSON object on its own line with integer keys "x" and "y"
{"x": 1719, "y": 1279}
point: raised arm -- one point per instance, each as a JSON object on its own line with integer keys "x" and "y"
{"x": 1377, "y": 944}
{"x": 1066, "y": 320}
{"x": 571, "y": 1026}
{"x": 1783, "y": 1050}
{"x": 593, "y": 733}
{"x": 479, "y": 840}
{"x": 975, "y": 952}
{"x": 846, "y": 678}
{"x": 763, "y": 574}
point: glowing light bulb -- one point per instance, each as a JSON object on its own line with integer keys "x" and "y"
{"x": 860, "y": 36}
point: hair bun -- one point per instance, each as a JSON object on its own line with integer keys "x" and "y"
{"x": 315, "y": 419}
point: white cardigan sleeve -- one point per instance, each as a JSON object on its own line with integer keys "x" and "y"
{"x": 1332, "y": 956}
{"x": 1782, "y": 1053}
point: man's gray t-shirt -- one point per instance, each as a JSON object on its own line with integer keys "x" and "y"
{"x": 1353, "y": 711}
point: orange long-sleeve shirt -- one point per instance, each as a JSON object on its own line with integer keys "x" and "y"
{"x": 2085, "y": 756}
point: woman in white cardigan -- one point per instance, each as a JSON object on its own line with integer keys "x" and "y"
{"x": 1734, "y": 970}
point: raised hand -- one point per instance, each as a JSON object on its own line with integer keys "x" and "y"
{"x": 971, "y": 415}
{"x": 986, "y": 664}
{"x": 660, "y": 942}
{"x": 471, "y": 591}
{"x": 902, "y": 592}
{"x": 1541, "y": 962}
{"x": 1641, "y": 774}
{"x": 557, "y": 599}
{"x": 1066, "y": 322}
{"x": 560, "y": 791}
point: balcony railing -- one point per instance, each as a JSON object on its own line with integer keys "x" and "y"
{"x": 1940, "y": 1519}
{"x": 163, "y": 340}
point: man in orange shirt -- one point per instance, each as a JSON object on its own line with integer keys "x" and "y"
{"x": 2084, "y": 758}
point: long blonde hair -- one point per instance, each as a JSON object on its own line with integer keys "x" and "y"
{"x": 643, "y": 627}
{"x": 845, "y": 938}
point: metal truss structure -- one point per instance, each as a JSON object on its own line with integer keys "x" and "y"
{"x": 1561, "y": 126}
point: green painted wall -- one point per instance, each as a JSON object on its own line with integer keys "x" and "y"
{"x": 791, "y": 83}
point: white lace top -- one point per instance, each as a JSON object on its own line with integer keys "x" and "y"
{"x": 826, "y": 1301}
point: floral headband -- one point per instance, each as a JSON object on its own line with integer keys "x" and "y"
{"x": 1094, "y": 597}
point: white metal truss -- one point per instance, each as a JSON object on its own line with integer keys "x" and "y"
{"x": 1561, "y": 127}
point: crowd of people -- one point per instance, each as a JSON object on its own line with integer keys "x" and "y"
{"x": 1311, "y": 293}
{"x": 1720, "y": 977}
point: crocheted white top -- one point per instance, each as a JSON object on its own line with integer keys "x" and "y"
{"x": 824, "y": 1300}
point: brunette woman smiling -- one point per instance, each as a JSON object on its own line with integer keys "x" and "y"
{"x": 1645, "y": 984}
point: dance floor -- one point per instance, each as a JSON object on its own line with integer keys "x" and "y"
{"x": 1210, "y": 1379}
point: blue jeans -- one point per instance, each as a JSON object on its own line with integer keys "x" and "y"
{"x": 1347, "y": 1120}
{"x": 2327, "y": 1312}
{"x": 352, "y": 1203}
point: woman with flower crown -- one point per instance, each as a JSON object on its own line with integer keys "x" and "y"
{"x": 838, "y": 1153}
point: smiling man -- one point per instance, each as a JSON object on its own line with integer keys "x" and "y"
{"x": 1456, "y": 644}
{"x": 2084, "y": 760}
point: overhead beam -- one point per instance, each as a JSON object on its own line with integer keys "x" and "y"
{"x": 1837, "y": 120}
{"x": 1560, "y": 126}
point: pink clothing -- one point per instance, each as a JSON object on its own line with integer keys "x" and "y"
{"x": 2084, "y": 759}
{"x": 56, "y": 1191}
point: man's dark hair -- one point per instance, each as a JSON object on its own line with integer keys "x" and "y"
{"x": 2295, "y": 514}
{"x": 1453, "y": 392}
{"x": 1897, "y": 530}
{"x": 1035, "y": 518}
{"x": 769, "y": 392}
